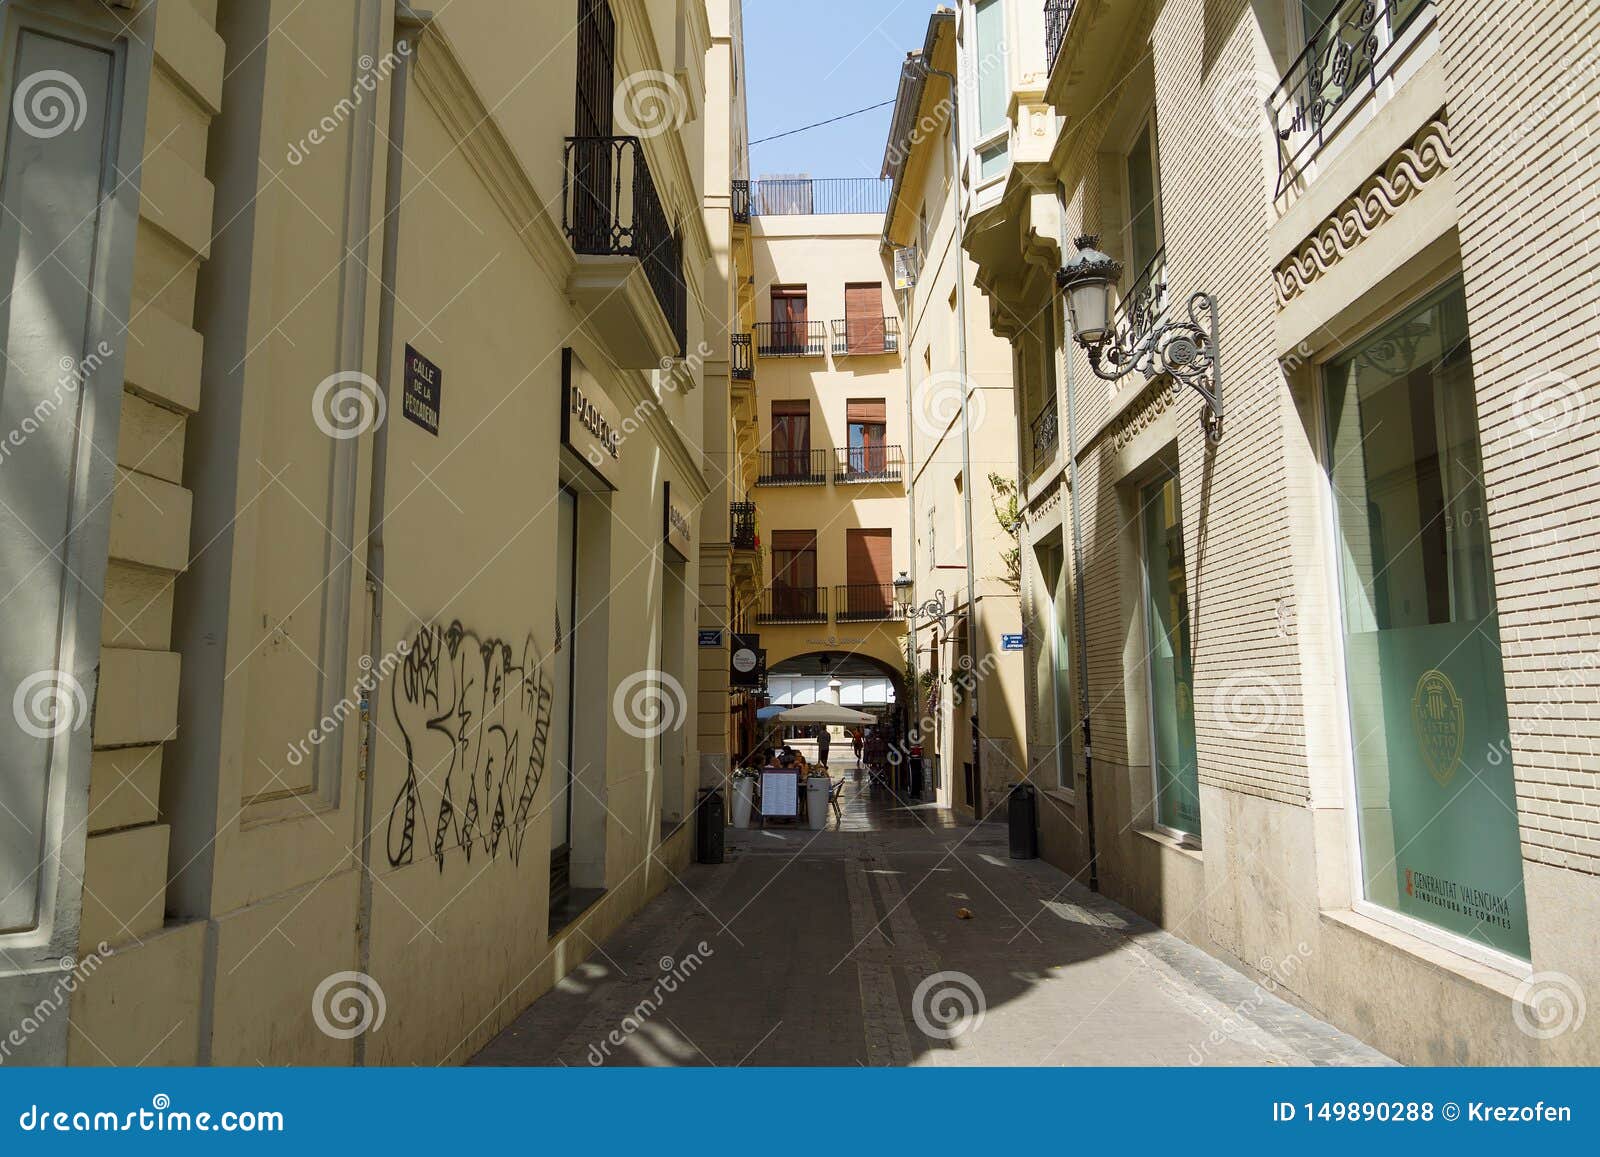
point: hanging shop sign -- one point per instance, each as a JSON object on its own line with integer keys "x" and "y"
{"x": 677, "y": 530}
{"x": 421, "y": 391}
{"x": 591, "y": 426}
{"x": 746, "y": 664}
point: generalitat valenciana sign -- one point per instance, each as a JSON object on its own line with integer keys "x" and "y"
{"x": 590, "y": 425}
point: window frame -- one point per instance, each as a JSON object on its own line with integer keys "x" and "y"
{"x": 1132, "y": 268}
{"x": 1161, "y": 471}
{"x": 1319, "y": 434}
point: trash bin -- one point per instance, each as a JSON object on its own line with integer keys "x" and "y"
{"x": 1024, "y": 828}
{"x": 708, "y": 826}
{"x": 817, "y": 801}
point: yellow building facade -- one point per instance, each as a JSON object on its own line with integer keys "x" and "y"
{"x": 386, "y": 511}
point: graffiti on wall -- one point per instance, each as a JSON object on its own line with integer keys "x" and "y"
{"x": 474, "y": 716}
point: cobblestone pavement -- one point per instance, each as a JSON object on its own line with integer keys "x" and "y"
{"x": 844, "y": 947}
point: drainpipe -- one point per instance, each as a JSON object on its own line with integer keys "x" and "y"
{"x": 966, "y": 434}
{"x": 915, "y": 690}
{"x": 1077, "y": 567}
{"x": 409, "y": 28}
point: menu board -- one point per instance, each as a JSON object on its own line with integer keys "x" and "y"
{"x": 780, "y": 793}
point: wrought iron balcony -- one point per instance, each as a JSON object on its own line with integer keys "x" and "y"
{"x": 781, "y": 603}
{"x": 859, "y": 336}
{"x": 1057, "y": 15}
{"x": 788, "y": 196}
{"x": 1340, "y": 59}
{"x": 610, "y": 207}
{"x": 1142, "y": 307}
{"x": 744, "y": 359}
{"x": 742, "y": 526}
{"x": 791, "y": 339}
{"x": 856, "y": 603}
{"x": 1044, "y": 438}
{"x": 868, "y": 464}
{"x": 792, "y": 468}
{"x": 741, "y": 202}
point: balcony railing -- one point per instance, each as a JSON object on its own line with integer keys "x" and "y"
{"x": 1057, "y": 15}
{"x": 610, "y": 207}
{"x": 791, "y": 339}
{"x": 744, "y": 358}
{"x": 868, "y": 464}
{"x": 859, "y": 336}
{"x": 786, "y": 604}
{"x": 1044, "y": 436}
{"x": 792, "y": 468}
{"x": 741, "y": 202}
{"x": 855, "y": 603}
{"x": 1340, "y": 58}
{"x": 1143, "y": 304}
{"x": 787, "y": 196}
{"x": 742, "y": 525}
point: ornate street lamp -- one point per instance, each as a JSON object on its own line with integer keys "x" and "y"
{"x": 1187, "y": 351}
{"x": 934, "y": 609}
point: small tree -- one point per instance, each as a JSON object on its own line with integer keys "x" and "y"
{"x": 1003, "y": 502}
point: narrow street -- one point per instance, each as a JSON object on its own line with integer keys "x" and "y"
{"x": 845, "y": 947}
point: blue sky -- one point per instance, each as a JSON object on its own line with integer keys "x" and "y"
{"x": 807, "y": 60}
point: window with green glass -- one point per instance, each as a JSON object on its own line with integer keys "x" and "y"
{"x": 989, "y": 60}
{"x": 1437, "y": 809}
{"x": 1144, "y": 204}
{"x": 1177, "y": 779}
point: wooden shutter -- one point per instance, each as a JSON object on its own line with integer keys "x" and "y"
{"x": 869, "y": 558}
{"x": 863, "y": 317}
{"x": 868, "y": 411}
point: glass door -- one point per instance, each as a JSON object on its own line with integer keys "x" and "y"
{"x": 561, "y": 746}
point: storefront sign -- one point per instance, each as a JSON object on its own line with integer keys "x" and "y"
{"x": 711, "y": 638}
{"x": 745, "y": 661}
{"x": 421, "y": 391}
{"x": 590, "y": 425}
{"x": 1012, "y": 642}
{"x": 676, "y": 529}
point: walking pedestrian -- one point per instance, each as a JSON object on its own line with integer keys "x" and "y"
{"x": 823, "y": 740}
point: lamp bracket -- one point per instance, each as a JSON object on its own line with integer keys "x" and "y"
{"x": 1186, "y": 351}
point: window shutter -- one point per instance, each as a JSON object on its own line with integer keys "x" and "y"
{"x": 868, "y": 557}
{"x": 863, "y": 318}
{"x": 868, "y": 411}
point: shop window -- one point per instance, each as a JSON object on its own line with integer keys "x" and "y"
{"x": 1437, "y": 809}
{"x": 1170, "y": 671}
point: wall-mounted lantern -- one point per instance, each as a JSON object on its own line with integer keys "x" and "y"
{"x": 1185, "y": 350}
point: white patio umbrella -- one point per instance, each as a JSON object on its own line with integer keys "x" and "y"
{"x": 823, "y": 712}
